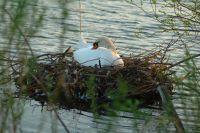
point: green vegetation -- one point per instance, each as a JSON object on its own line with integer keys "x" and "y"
{"x": 20, "y": 20}
{"x": 182, "y": 20}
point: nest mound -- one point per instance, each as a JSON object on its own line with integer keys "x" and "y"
{"x": 58, "y": 79}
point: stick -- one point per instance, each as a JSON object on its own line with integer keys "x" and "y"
{"x": 168, "y": 106}
{"x": 191, "y": 57}
{"x": 61, "y": 121}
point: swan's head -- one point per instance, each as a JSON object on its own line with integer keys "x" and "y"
{"x": 104, "y": 42}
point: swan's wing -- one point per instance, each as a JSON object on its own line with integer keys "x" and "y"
{"x": 110, "y": 58}
{"x": 87, "y": 56}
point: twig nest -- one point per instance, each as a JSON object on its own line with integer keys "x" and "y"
{"x": 71, "y": 85}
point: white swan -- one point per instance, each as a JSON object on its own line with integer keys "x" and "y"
{"x": 101, "y": 53}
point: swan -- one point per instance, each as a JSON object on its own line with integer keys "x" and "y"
{"x": 99, "y": 54}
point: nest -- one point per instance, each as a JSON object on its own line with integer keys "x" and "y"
{"x": 59, "y": 80}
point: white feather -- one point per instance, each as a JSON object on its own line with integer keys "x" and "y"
{"x": 102, "y": 56}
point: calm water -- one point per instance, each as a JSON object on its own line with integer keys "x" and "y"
{"x": 122, "y": 22}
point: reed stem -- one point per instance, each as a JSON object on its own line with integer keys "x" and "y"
{"x": 80, "y": 17}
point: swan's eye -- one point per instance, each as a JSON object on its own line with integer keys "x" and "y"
{"x": 95, "y": 45}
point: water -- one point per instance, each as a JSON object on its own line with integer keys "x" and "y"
{"x": 123, "y": 23}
